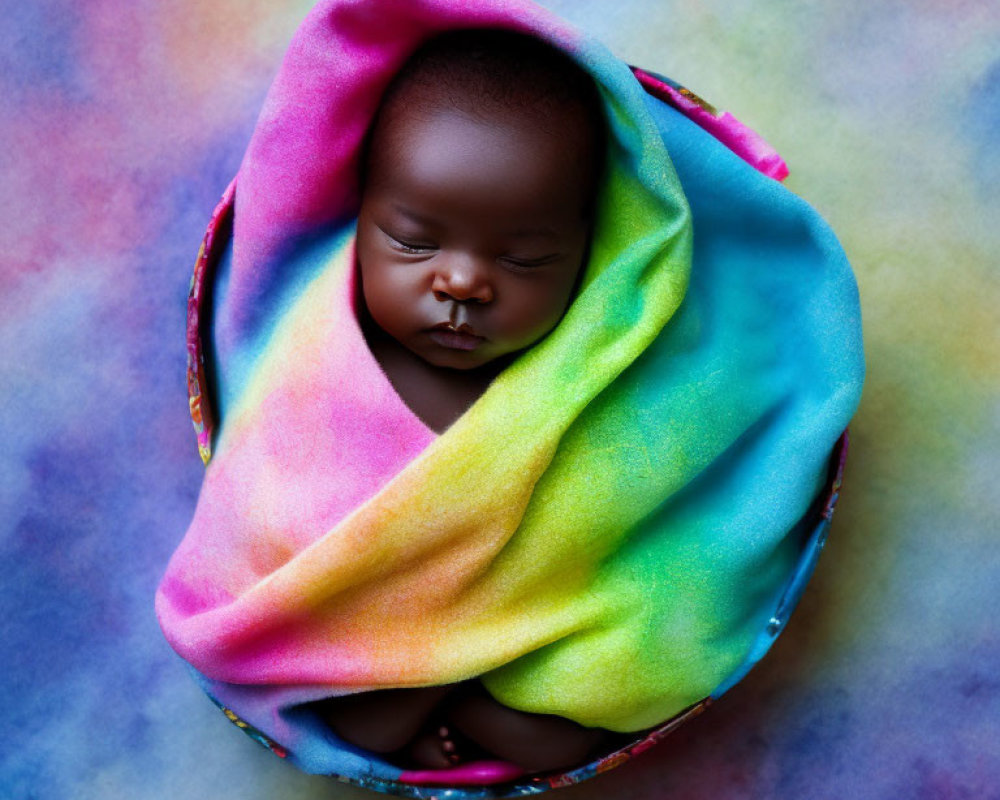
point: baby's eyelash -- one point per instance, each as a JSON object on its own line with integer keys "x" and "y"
{"x": 529, "y": 263}
{"x": 404, "y": 246}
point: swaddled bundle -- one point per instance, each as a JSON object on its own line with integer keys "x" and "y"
{"x": 610, "y": 530}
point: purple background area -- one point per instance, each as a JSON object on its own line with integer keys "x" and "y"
{"x": 122, "y": 123}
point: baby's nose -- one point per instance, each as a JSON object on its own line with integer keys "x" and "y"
{"x": 463, "y": 279}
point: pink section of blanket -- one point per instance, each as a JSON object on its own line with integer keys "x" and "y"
{"x": 745, "y": 142}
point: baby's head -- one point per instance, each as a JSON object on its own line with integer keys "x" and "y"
{"x": 479, "y": 182}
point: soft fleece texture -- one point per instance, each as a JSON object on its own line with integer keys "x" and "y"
{"x": 620, "y": 509}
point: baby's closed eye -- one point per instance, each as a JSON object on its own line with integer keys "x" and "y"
{"x": 528, "y": 263}
{"x": 408, "y": 244}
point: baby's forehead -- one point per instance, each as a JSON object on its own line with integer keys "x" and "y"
{"x": 519, "y": 159}
{"x": 454, "y": 159}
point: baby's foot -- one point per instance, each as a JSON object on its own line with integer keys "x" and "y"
{"x": 435, "y": 749}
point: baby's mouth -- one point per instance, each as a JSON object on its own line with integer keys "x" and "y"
{"x": 462, "y": 337}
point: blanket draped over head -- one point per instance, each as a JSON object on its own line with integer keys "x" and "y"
{"x": 605, "y": 534}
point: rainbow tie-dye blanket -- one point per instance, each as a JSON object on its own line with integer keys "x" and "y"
{"x": 609, "y": 531}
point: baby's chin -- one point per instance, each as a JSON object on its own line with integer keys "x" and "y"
{"x": 464, "y": 361}
{"x": 485, "y": 359}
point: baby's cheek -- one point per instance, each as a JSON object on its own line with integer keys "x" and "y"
{"x": 537, "y": 319}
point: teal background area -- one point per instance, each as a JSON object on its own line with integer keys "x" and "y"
{"x": 121, "y": 125}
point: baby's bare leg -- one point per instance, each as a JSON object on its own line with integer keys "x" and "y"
{"x": 536, "y": 742}
{"x": 382, "y": 721}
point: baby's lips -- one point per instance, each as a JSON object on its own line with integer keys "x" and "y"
{"x": 455, "y": 340}
{"x": 465, "y": 328}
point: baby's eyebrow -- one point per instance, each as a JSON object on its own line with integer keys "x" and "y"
{"x": 534, "y": 233}
{"x": 527, "y": 232}
{"x": 420, "y": 219}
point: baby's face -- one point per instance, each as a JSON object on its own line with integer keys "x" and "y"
{"x": 471, "y": 233}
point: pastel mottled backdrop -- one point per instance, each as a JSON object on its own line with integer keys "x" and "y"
{"x": 122, "y": 122}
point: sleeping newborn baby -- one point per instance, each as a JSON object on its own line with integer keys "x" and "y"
{"x": 478, "y": 189}
{"x": 517, "y": 448}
